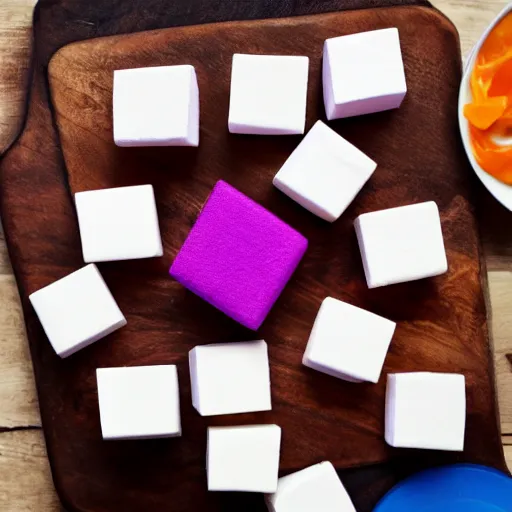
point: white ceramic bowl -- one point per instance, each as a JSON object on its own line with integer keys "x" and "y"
{"x": 501, "y": 191}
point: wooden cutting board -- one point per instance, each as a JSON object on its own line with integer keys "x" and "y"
{"x": 41, "y": 229}
{"x": 442, "y": 323}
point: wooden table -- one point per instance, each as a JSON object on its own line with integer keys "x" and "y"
{"x": 25, "y": 481}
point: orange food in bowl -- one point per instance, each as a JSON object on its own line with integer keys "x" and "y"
{"x": 490, "y": 111}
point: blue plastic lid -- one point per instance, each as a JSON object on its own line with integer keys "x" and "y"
{"x": 458, "y": 488}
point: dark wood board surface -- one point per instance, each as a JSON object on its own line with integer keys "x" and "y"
{"x": 134, "y": 476}
{"x": 440, "y": 329}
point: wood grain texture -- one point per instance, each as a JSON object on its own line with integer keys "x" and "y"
{"x": 500, "y": 284}
{"x": 471, "y": 17}
{"x": 26, "y": 483}
{"x": 17, "y": 393}
{"x": 15, "y": 48}
{"x": 467, "y": 15}
{"x": 508, "y": 455}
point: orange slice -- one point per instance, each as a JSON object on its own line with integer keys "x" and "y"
{"x": 493, "y": 158}
{"x": 484, "y": 115}
{"x": 490, "y": 112}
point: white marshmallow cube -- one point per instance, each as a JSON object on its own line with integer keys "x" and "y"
{"x": 363, "y": 73}
{"x": 156, "y": 106}
{"x": 139, "y": 402}
{"x": 316, "y": 488}
{"x": 268, "y": 94}
{"x": 243, "y": 458}
{"x": 118, "y": 224}
{"x": 401, "y": 244}
{"x": 348, "y": 342}
{"x": 230, "y": 378}
{"x": 77, "y": 310}
{"x": 324, "y": 173}
{"x": 426, "y": 410}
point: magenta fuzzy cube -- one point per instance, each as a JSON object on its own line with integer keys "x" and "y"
{"x": 238, "y": 256}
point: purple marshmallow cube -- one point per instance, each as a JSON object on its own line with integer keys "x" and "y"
{"x": 238, "y": 256}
